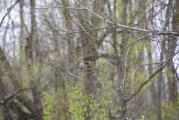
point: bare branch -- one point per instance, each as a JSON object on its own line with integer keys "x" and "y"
{"x": 8, "y": 11}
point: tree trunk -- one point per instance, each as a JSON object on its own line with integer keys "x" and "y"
{"x": 89, "y": 48}
{"x": 121, "y": 63}
{"x": 158, "y": 98}
{"x": 172, "y": 76}
{"x": 21, "y": 44}
{"x": 159, "y": 86}
{"x": 37, "y": 95}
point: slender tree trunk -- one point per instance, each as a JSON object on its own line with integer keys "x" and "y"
{"x": 37, "y": 95}
{"x": 159, "y": 86}
{"x": 89, "y": 48}
{"x": 21, "y": 42}
{"x": 158, "y": 98}
{"x": 121, "y": 63}
{"x": 172, "y": 76}
{"x": 90, "y": 78}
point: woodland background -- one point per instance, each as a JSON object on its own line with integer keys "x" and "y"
{"x": 89, "y": 59}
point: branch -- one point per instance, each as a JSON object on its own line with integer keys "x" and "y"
{"x": 12, "y": 96}
{"x": 144, "y": 83}
{"x": 8, "y": 11}
{"x": 57, "y": 6}
{"x": 149, "y": 79}
{"x": 118, "y": 25}
{"x": 115, "y": 25}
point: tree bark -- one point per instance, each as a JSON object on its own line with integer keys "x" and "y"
{"x": 37, "y": 95}
{"x": 89, "y": 48}
{"x": 172, "y": 42}
{"x": 21, "y": 44}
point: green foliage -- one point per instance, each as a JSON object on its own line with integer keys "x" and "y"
{"x": 80, "y": 103}
{"x": 77, "y": 104}
{"x": 48, "y": 106}
{"x": 150, "y": 115}
{"x": 170, "y": 110}
{"x": 60, "y": 105}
